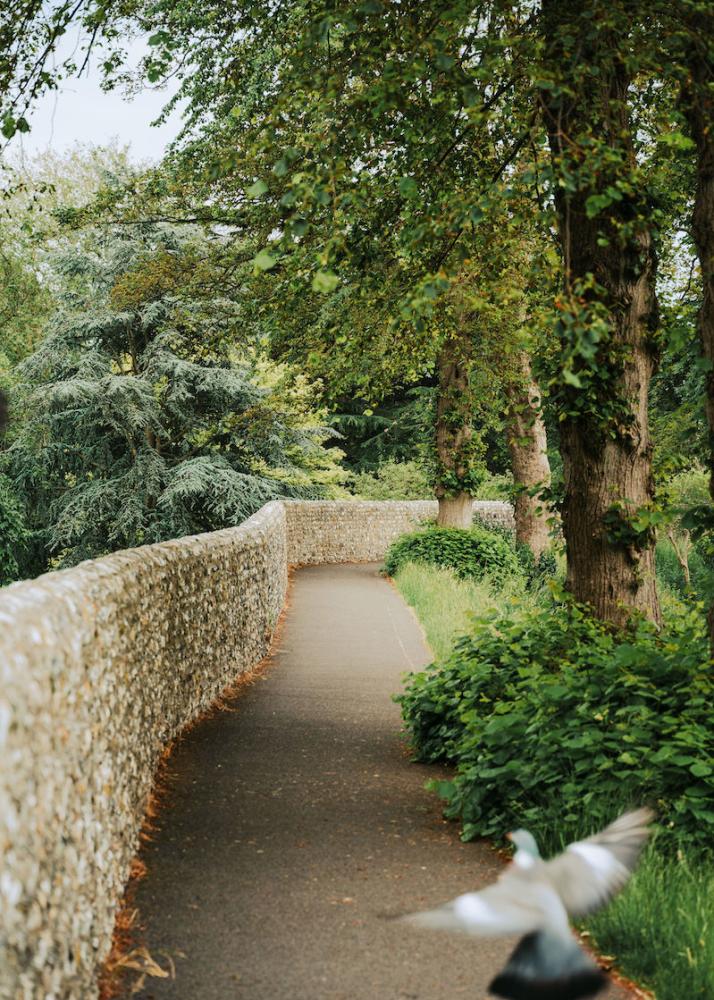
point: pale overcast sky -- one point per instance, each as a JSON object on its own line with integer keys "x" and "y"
{"x": 80, "y": 111}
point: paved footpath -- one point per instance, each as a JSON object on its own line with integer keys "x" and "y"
{"x": 295, "y": 825}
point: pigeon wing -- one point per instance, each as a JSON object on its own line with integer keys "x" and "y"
{"x": 513, "y": 905}
{"x": 589, "y": 872}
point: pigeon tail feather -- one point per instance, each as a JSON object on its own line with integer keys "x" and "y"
{"x": 545, "y": 967}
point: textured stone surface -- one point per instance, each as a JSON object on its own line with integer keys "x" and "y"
{"x": 335, "y": 531}
{"x": 100, "y": 667}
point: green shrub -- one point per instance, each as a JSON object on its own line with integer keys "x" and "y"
{"x": 471, "y": 553}
{"x": 395, "y": 481}
{"x": 555, "y": 722}
{"x": 536, "y": 571}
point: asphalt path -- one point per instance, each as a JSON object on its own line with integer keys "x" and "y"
{"x": 294, "y": 825}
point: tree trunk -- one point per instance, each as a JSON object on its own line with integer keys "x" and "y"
{"x": 681, "y": 550}
{"x": 608, "y": 316}
{"x": 527, "y": 444}
{"x": 454, "y": 433}
{"x": 698, "y": 100}
{"x": 456, "y": 511}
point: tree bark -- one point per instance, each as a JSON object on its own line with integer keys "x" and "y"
{"x": 456, "y": 511}
{"x": 527, "y": 444}
{"x": 454, "y": 433}
{"x": 698, "y": 101}
{"x": 609, "y": 308}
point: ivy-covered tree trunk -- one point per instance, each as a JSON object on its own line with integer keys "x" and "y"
{"x": 608, "y": 313}
{"x": 454, "y": 433}
{"x": 527, "y": 444}
{"x": 698, "y": 99}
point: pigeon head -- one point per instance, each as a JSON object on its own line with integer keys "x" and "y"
{"x": 524, "y": 841}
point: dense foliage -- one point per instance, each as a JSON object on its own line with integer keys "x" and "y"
{"x": 553, "y": 719}
{"x": 138, "y": 422}
{"x": 13, "y": 533}
{"x": 474, "y": 553}
{"x": 394, "y": 481}
{"x": 660, "y": 931}
{"x": 536, "y": 570}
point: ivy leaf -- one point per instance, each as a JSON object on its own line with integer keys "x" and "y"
{"x": 570, "y": 378}
{"x": 257, "y": 189}
{"x": 159, "y": 38}
{"x": 408, "y": 187}
{"x": 444, "y": 61}
{"x": 676, "y": 140}
{"x": 596, "y": 203}
{"x": 325, "y": 282}
{"x": 264, "y": 261}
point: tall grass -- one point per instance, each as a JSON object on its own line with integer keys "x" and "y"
{"x": 660, "y": 930}
{"x": 445, "y": 605}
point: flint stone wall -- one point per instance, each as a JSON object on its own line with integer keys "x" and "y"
{"x": 101, "y": 666}
{"x": 335, "y": 531}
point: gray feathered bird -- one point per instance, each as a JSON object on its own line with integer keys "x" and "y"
{"x": 536, "y": 898}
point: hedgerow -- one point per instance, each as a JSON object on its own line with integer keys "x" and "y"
{"x": 471, "y": 553}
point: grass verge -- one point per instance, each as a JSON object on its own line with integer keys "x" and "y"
{"x": 444, "y": 604}
{"x": 660, "y": 931}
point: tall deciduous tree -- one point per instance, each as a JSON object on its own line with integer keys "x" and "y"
{"x": 608, "y": 321}
{"x": 362, "y": 130}
{"x": 454, "y": 429}
{"x": 356, "y": 171}
{"x": 528, "y": 448}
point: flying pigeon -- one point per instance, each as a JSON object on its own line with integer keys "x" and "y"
{"x": 535, "y": 898}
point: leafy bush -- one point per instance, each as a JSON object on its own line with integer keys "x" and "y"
{"x": 470, "y": 553}
{"x": 536, "y": 571}
{"x": 395, "y": 481}
{"x": 555, "y": 721}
